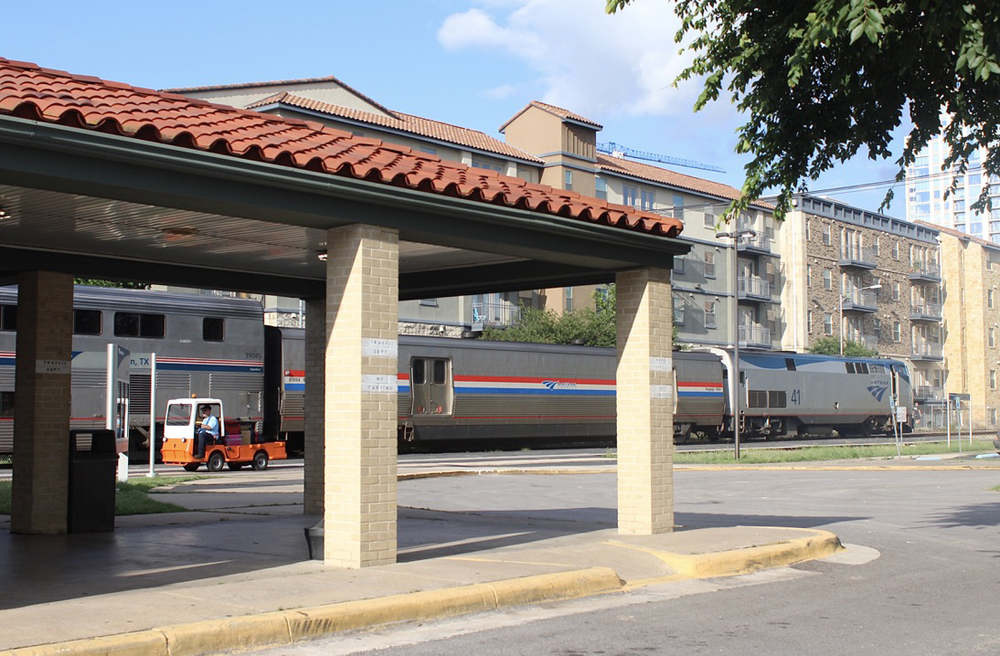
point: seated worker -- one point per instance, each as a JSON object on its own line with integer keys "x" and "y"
{"x": 208, "y": 433}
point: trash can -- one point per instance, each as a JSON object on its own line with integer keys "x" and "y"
{"x": 91, "y": 507}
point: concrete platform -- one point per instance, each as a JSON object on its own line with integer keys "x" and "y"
{"x": 235, "y": 572}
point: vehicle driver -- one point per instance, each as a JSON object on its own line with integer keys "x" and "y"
{"x": 208, "y": 433}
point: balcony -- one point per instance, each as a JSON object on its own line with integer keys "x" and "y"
{"x": 862, "y": 258}
{"x": 497, "y": 314}
{"x": 924, "y": 393}
{"x": 757, "y": 243}
{"x": 754, "y": 288}
{"x": 755, "y": 336}
{"x": 861, "y": 301}
{"x": 926, "y": 312}
{"x": 927, "y": 351}
{"x": 925, "y": 272}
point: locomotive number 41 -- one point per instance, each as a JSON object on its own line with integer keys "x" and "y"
{"x": 796, "y": 397}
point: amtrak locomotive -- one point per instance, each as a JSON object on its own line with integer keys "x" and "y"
{"x": 447, "y": 389}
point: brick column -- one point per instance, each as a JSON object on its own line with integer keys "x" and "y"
{"x": 42, "y": 403}
{"x": 645, "y": 402}
{"x": 362, "y": 309}
{"x": 315, "y": 367}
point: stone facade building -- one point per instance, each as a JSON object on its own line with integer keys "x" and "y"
{"x": 858, "y": 276}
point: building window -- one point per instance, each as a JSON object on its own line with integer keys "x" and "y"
{"x": 568, "y": 180}
{"x": 630, "y": 196}
{"x": 809, "y": 275}
{"x": 709, "y": 264}
{"x": 897, "y": 332}
{"x": 992, "y": 337}
{"x": 678, "y": 310}
{"x": 213, "y": 329}
{"x": 678, "y": 206}
{"x": 569, "y": 299}
{"x": 601, "y": 188}
{"x": 895, "y": 250}
{"x": 808, "y": 231}
{"x": 878, "y": 328}
{"x": 993, "y": 379}
{"x": 895, "y": 291}
{"x": 827, "y": 279}
{"x": 826, "y": 234}
{"x": 429, "y": 151}
{"x": 827, "y": 323}
{"x": 989, "y": 298}
{"x": 709, "y": 220}
{"x": 479, "y": 164}
{"x": 679, "y": 265}
{"x": 876, "y": 245}
{"x": 993, "y": 416}
{"x": 429, "y": 302}
{"x": 710, "y": 314}
{"x": 809, "y": 321}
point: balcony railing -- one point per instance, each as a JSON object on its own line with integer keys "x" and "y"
{"x": 927, "y": 351}
{"x": 495, "y": 314}
{"x": 755, "y": 336}
{"x": 861, "y": 301}
{"x": 925, "y": 271}
{"x": 928, "y": 393}
{"x": 926, "y": 312}
{"x": 756, "y": 242}
{"x": 754, "y": 287}
{"x": 864, "y": 258}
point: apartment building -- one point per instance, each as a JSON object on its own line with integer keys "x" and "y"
{"x": 705, "y": 290}
{"x": 927, "y": 184}
{"x": 971, "y": 270}
{"x": 873, "y": 279}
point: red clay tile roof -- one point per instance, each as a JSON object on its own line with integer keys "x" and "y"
{"x": 671, "y": 178}
{"x": 88, "y": 103}
{"x": 406, "y": 123}
{"x": 281, "y": 83}
{"x": 564, "y": 114}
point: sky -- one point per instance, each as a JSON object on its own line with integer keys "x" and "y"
{"x": 473, "y": 63}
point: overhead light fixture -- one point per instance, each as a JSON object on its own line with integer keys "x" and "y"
{"x": 322, "y": 256}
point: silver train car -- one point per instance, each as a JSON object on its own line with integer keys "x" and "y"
{"x": 204, "y": 346}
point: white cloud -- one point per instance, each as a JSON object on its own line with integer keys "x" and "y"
{"x": 585, "y": 60}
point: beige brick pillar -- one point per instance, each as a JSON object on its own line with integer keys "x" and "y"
{"x": 362, "y": 312}
{"x": 315, "y": 367}
{"x": 42, "y": 403}
{"x": 645, "y": 402}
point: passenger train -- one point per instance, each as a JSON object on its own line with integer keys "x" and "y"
{"x": 447, "y": 389}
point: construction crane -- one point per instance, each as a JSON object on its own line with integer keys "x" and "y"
{"x": 611, "y": 148}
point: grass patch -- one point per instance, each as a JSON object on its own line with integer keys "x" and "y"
{"x": 131, "y": 498}
{"x": 821, "y": 453}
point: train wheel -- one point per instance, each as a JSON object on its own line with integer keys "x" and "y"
{"x": 215, "y": 461}
{"x": 260, "y": 460}
{"x": 192, "y": 466}
{"x": 713, "y": 435}
{"x": 235, "y": 466}
{"x": 683, "y": 436}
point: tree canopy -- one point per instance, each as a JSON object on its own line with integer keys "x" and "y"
{"x": 823, "y": 80}
{"x": 852, "y": 349}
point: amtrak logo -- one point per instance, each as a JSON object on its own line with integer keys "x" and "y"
{"x": 878, "y": 391}
{"x": 555, "y": 384}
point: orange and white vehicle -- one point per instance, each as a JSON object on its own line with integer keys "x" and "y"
{"x": 238, "y": 444}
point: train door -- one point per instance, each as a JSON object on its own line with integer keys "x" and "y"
{"x": 431, "y": 387}
{"x": 116, "y": 397}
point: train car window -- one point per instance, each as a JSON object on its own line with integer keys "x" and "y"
{"x": 418, "y": 375}
{"x": 440, "y": 369}
{"x": 87, "y": 322}
{"x": 8, "y": 317}
{"x": 757, "y": 399}
{"x": 877, "y": 369}
{"x": 777, "y": 399}
{"x": 850, "y": 367}
{"x": 213, "y": 329}
{"x": 6, "y": 404}
{"x": 862, "y": 367}
{"x": 133, "y": 324}
{"x": 790, "y": 364}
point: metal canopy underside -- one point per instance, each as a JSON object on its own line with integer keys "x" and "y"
{"x": 98, "y": 205}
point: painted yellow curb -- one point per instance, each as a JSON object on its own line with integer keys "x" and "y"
{"x": 819, "y": 544}
{"x": 285, "y": 627}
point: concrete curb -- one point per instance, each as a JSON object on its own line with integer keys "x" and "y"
{"x": 819, "y": 544}
{"x": 285, "y": 627}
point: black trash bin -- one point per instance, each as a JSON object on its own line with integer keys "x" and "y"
{"x": 92, "y": 479}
